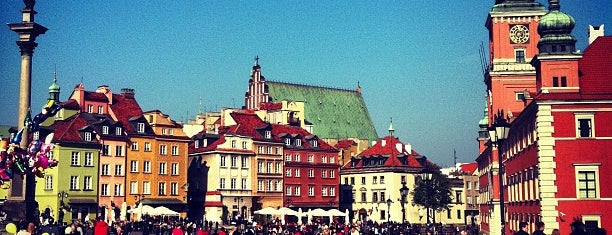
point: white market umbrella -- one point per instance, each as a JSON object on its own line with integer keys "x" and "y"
{"x": 164, "y": 211}
{"x": 347, "y": 218}
{"x": 266, "y": 211}
{"x": 300, "y": 215}
{"x": 286, "y": 211}
{"x": 123, "y": 215}
{"x": 318, "y": 212}
{"x": 335, "y": 212}
{"x": 309, "y": 216}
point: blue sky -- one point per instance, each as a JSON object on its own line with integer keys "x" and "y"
{"x": 416, "y": 61}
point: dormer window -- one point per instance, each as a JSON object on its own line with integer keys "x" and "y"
{"x": 196, "y": 144}
{"x": 87, "y": 136}
{"x": 164, "y": 131}
{"x": 233, "y": 144}
{"x": 105, "y": 130}
{"x": 268, "y": 134}
{"x": 287, "y": 141}
{"x": 171, "y": 132}
{"x": 141, "y": 127}
{"x": 118, "y": 130}
{"x": 100, "y": 109}
{"x": 244, "y": 144}
{"x": 90, "y": 108}
{"x": 298, "y": 142}
{"x": 314, "y": 143}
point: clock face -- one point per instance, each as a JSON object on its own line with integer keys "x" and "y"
{"x": 519, "y": 34}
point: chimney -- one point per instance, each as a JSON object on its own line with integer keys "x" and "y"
{"x": 595, "y": 32}
{"x": 106, "y": 91}
{"x": 383, "y": 143}
{"x": 127, "y": 93}
{"x": 373, "y": 142}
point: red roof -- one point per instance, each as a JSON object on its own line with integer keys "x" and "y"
{"x": 70, "y": 104}
{"x": 270, "y": 106}
{"x": 68, "y": 130}
{"x": 345, "y": 144}
{"x": 124, "y": 109}
{"x": 469, "y": 168}
{"x": 95, "y": 96}
{"x": 595, "y": 72}
{"x": 277, "y": 130}
{"x": 392, "y": 148}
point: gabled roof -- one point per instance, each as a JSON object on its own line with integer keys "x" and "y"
{"x": 124, "y": 109}
{"x": 305, "y": 136}
{"x": 345, "y": 144}
{"x": 70, "y": 104}
{"x": 469, "y": 168}
{"x": 392, "y": 151}
{"x": 68, "y": 130}
{"x": 247, "y": 124}
{"x": 335, "y": 113}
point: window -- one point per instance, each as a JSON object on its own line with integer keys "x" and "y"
{"x": 277, "y": 169}
{"x": 87, "y": 136}
{"x": 175, "y": 150}
{"x": 324, "y": 174}
{"x": 448, "y": 214}
{"x": 105, "y": 151}
{"x": 288, "y": 190}
{"x": 162, "y": 188}
{"x": 332, "y": 174}
{"x": 287, "y": 141}
{"x": 382, "y": 196}
{"x": 310, "y": 158}
{"x": 162, "y": 149}
{"x": 36, "y": 135}
{"x": 382, "y": 179}
{"x": 288, "y": 157}
{"x": 118, "y": 190}
{"x": 233, "y": 183}
{"x": 269, "y": 150}
{"x": 90, "y": 108}
{"x": 222, "y": 183}
{"x": 118, "y": 170}
{"x": 298, "y": 142}
{"x": 585, "y": 125}
{"x": 141, "y": 127}
{"x": 297, "y": 191}
{"x": 133, "y": 187}
{"x": 260, "y": 149}
{"x": 587, "y": 180}
{"x": 174, "y": 168}
{"x": 259, "y": 167}
{"x": 105, "y": 130}
{"x": 118, "y": 131}
{"x": 375, "y": 196}
{"x": 105, "y": 170}
{"x": 146, "y": 167}
{"x": 363, "y": 180}
{"x": 147, "y": 147}
{"x": 268, "y": 185}
{"x": 268, "y": 134}
{"x": 174, "y": 188}
{"x": 332, "y": 159}
{"x": 296, "y": 158}
{"x": 244, "y": 162}
{"x": 74, "y": 182}
{"x": 164, "y": 131}
{"x": 520, "y": 55}
{"x": 383, "y": 215}
{"x": 260, "y": 185}
{"x": 332, "y": 191}
{"x": 233, "y": 144}
{"x": 234, "y": 161}
{"x": 352, "y": 180}
{"x": 288, "y": 172}
{"x": 162, "y": 168}
{"x": 311, "y": 191}
{"x": 119, "y": 151}
{"x": 555, "y": 81}
{"x": 324, "y": 191}
{"x": 277, "y": 150}
{"x": 196, "y": 143}
{"x": 48, "y": 182}
{"x": 519, "y": 95}
{"x": 222, "y": 160}
{"x": 458, "y": 197}
{"x": 458, "y": 214}
{"x": 135, "y": 146}
{"x": 269, "y": 167}
{"x": 323, "y": 159}
{"x": 74, "y": 160}
{"x": 563, "y": 81}
{"x": 146, "y": 187}
{"x": 88, "y": 182}
{"x": 171, "y": 131}
{"x": 244, "y": 184}
{"x": 244, "y": 145}
{"x": 88, "y": 159}
{"x": 314, "y": 143}
{"x": 374, "y": 179}
{"x": 363, "y": 197}
{"x": 297, "y": 172}
{"x": 310, "y": 173}
{"x": 100, "y": 109}
{"x": 104, "y": 190}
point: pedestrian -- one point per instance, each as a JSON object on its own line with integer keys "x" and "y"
{"x": 101, "y": 227}
{"x": 522, "y": 229}
{"x": 539, "y": 229}
{"x": 555, "y": 232}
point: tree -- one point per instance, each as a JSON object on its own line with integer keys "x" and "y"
{"x": 433, "y": 194}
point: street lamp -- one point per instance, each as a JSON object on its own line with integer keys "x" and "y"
{"x": 138, "y": 198}
{"x": 61, "y": 195}
{"x": 498, "y": 133}
{"x": 389, "y": 209}
{"x": 403, "y": 193}
{"x": 426, "y": 176}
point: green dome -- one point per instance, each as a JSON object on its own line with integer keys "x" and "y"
{"x": 556, "y": 22}
{"x": 54, "y": 87}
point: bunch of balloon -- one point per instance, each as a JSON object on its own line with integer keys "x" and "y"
{"x": 16, "y": 160}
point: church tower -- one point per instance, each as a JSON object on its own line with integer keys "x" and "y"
{"x": 54, "y": 89}
{"x": 513, "y": 42}
{"x": 257, "y": 92}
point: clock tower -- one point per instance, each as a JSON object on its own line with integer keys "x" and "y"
{"x": 513, "y": 42}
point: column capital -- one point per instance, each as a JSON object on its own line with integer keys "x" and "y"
{"x": 26, "y": 47}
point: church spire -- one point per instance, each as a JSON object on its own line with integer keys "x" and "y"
{"x": 391, "y": 130}
{"x": 54, "y": 89}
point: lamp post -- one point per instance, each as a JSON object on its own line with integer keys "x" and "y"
{"x": 138, "y": 198}
{"x": 426, "y": 176}
{"x": 498, "y": 133}
{"x": 403, "y": 193}
{"x": 389, "y": 209}
{"x": 61, "y": 195}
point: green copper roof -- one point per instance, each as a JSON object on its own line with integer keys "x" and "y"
{"x": 517, "y": 5}
{"x": 54, "y": 87}
{"x": 335, "y": 113}
{"x": 485, "y": 119}
{"x": 556, "y": 22}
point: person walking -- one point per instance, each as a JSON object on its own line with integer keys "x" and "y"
{"x": 539, "y": 229}
{"x": 522, "y": 229}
